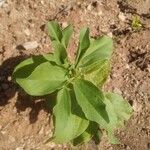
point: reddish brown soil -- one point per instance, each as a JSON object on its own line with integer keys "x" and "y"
{"x": 25, "y": 122}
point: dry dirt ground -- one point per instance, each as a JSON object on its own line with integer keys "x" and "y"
{"x": 25, "y": 122}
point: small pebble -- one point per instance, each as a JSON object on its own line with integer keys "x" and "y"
{"x": 122, "y": 17}
{"x": 99, "y": 13}
{"x": 42, "y": 2}
{"x": 41, "y": 131}
{"x": 148, "y": 68}
{"x": 89, "y": 7}
{"x": 128, "y": 148}
{"x": 64, "y": 24}
{"x": 110, "y": 34}
{"x": 27, "y": 32}
{"x": 15, "y": 110}
{"x": 127, "y": 66}
{"x": 19, "y": 148}
{"x": 30, "y": 45}
{"x": 2, "y": 2}
{"x": 9, "y": 78}
{"x": 117, "y": 91}
{"x": 3, "y": 132}
{"x": 137, "y": 107}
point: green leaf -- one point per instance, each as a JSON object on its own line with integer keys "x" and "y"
{"x": 118, "y": 111}
{"x": 100, "y": 49}
{"x": 87, "y": 134}
{"x": 90, "y": 99}
{"x": 54, "y": 31}
{"x": 44, "y": 79}
{"x": 99, "y": 75}
{"x": 50, "y": 57}
{"x": 68, "y": 125}
{"x": 25, "y": 68}
{"x": 84, "y": 43}
{"x": 67, "y": 32}
{"x": 60, "y": 53}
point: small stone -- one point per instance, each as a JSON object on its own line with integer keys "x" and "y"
{"x": 127, "y": 66}
{"x": 30, "y": 45}
{"x": 15, "y": 110}
{"x": 148, "y": 68}
{"x": 89, "y": 7}
{"x": 27, "y": 32}
{"x": 41, "y": 131}
{"x": 128, "y": 148}
{"x": 9, "y": 78}
{"x": 3, "y": 132}
{"x": 19, "y": 148}
{"x": 42, "y": 2}
{"x": 64, "y": 24}
{"x": 137, "y": 107}
{"x": 2, "y": 2}
{"x": 110, "y": 34}
{"x": 100, "y": 13}
{"x": 32, "y": 25}
{"x": 121, "y": 16}
{"x": 117, "y": 91}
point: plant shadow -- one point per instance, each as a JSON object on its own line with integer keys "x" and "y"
{"x": 8, "y": 90}
{"x": 36, "y": 104}
{"x": 7, "y": 87}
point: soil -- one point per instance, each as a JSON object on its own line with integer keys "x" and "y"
{"x": 25, "y": 121}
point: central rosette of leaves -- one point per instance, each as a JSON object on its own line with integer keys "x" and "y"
{"x": 81, "y": 107}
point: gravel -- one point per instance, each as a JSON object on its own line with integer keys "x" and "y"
{"x": 30, "y": 45}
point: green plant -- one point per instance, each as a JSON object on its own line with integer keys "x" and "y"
{"x": 136, "y": 24}
{"x": 82, "y": 110}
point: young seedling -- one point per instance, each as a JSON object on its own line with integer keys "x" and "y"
{"x": 136, "y": 24}
{"x": 82, "y": 109}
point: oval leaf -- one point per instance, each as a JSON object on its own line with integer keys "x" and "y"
{"x": 25, "y": 68}
{"x": 68, "y": 125}
{"x": 60, "y": 53}
{"x": 84, "y": 42}
{"x": 87, "y": 134}
{"x": 90, "y": 99}
{"x": 118, "y": 111}
{"x": 54, "y": 31}
{"x": 100, "y": 75}
{"x": 67, "y": 32}
{"x": 99, "y": 49}
{"x": 45, "y": 79}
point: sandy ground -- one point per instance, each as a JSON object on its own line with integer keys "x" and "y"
{"x": 25, "y": 122}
